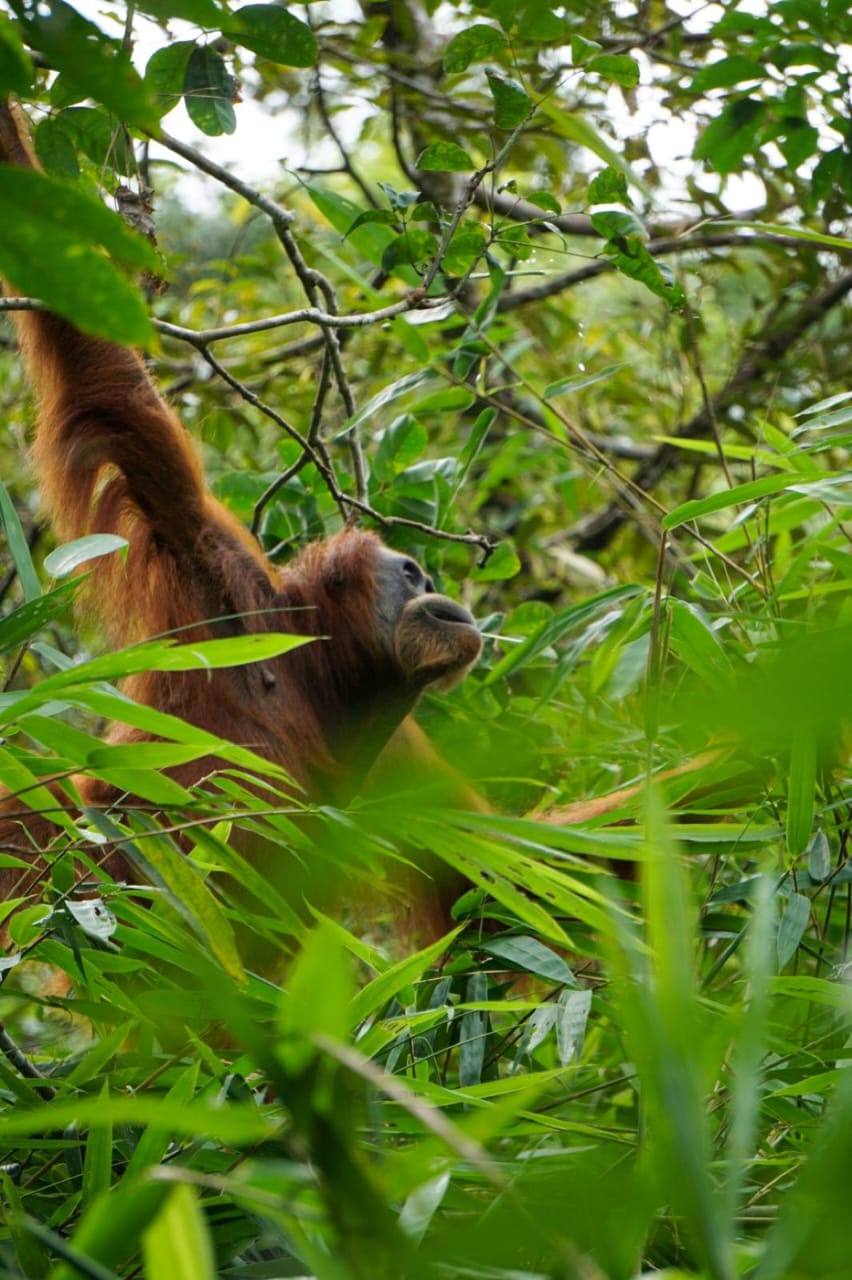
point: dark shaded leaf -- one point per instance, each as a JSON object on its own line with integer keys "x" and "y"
{"x": 413, "y": 247}
{"x": 209, "y": 90}
{"x": 16, "y": 68}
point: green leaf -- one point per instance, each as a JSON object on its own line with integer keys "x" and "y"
{"x": 18, "y": 546}
{"x": 375, "y": 995}
{"x": 448, "y": 399}
{"x": 468, "y": 243}
{"x": 31, "y": 618}
{"x": 615, "y": 224}
{"x": 273, "y": 32}
{"x": 544, "y": 200}
{"x": 631, "y": 257}
{"x": 97, "y": 1164}
{"x": 96, "y": 66}
{"x": 178, "y": 1243}
{"x": 472, "y": 45}
{"x": 401, "y": 444}
{"x": 165, "y": 74}
{"x": 531, "y": 956}
{"x": 473, "y": 1032}
{"x": 512, "y": 104}
{"x": 749, "y": 492}
{"x": 50, "y": 236}
{"x": 580, "y": 381}
{"x": 801, "y": 790}
{"x": 100, "y": 137}
{"x": 209, "y": 91}
{"x": 55, "y": 149}
{"x": 204, "y": 13}
{"x": 608, "y": 187}
{"x": 502, "y": 563}
{"x": 414, "y": 247}
{"x": 317, "y": 1000}
{"x": 583, "y": 49}
{"x": 726, "y": 72}
{"x": 444, "y": 157}
{"x": 618, "y": 67}
{"x": 819, "y": 857}
{"x": 792, "y": 927}
{"x": 16, "y": 68}
{"x": 729, "y": 138}
{"x": 65, "y": 559}
{"x": 574, "y": 1008}
{"x": 386, "y": 217}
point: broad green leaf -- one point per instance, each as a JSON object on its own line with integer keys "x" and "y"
{"x": 99, "y": 67}
{"x": 444, "y": 157}
{"x": 532, "y": 956}
{"x": 725, "y": 72}
{"x": 580, "y": 381}
{"x": 65, "y": 559}
{"x": 791, "y": 929}
{"x": 819, "y": 857}
{"x": 448, "y": 399}
{"x": 29, "y": 619}
{"x": 729, "y": 138}
{"x": 466, "y": 247}
{"x": 502, "y": 563}
{"x": 18, "y": 546}
{"x": 474, "y": 44}
{"x": 317, "y": 1000}
{"x": 178, "y": 1243}
{"x": 97, "y": 1164}
{"x": 209, "y": 90}
{"x": 801, "y": 791}
{"x": 473, "y": 1032}
{"x": 742, "y": 493}
{"x": 583, "y": 49}
{"x": 618, "y": 67}
{"x": 203, "y": 13}
{"x": 164, "y": 864}
{"x": 49, "y": 248}
{"x": 375, "y": 995}
{"x": 840, "y": 243}
{"x": 274, "y": 33}
{"x": 370, "y": 240}
{"x": 54, "y": 147}
{"x": 573, "y": 1014}
{"x": 155, "y": 1140}
{"x": 512, "y": 104}
{"x": 544, "y": 200}
{"x": 99, "y": 136}
{"x": 608, "y": 187}
{"x": 401, "y": 444}
{"x": 386, "y": 217}
{"x": 165, "y": 74}
{"x": 16, "y": 68}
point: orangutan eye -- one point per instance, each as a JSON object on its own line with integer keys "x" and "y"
{"x": 413, "y": 572}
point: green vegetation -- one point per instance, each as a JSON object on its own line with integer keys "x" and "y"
{"x": 556, "y": 296}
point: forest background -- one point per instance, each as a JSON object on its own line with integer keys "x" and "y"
{"x": 556, "y": 298}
